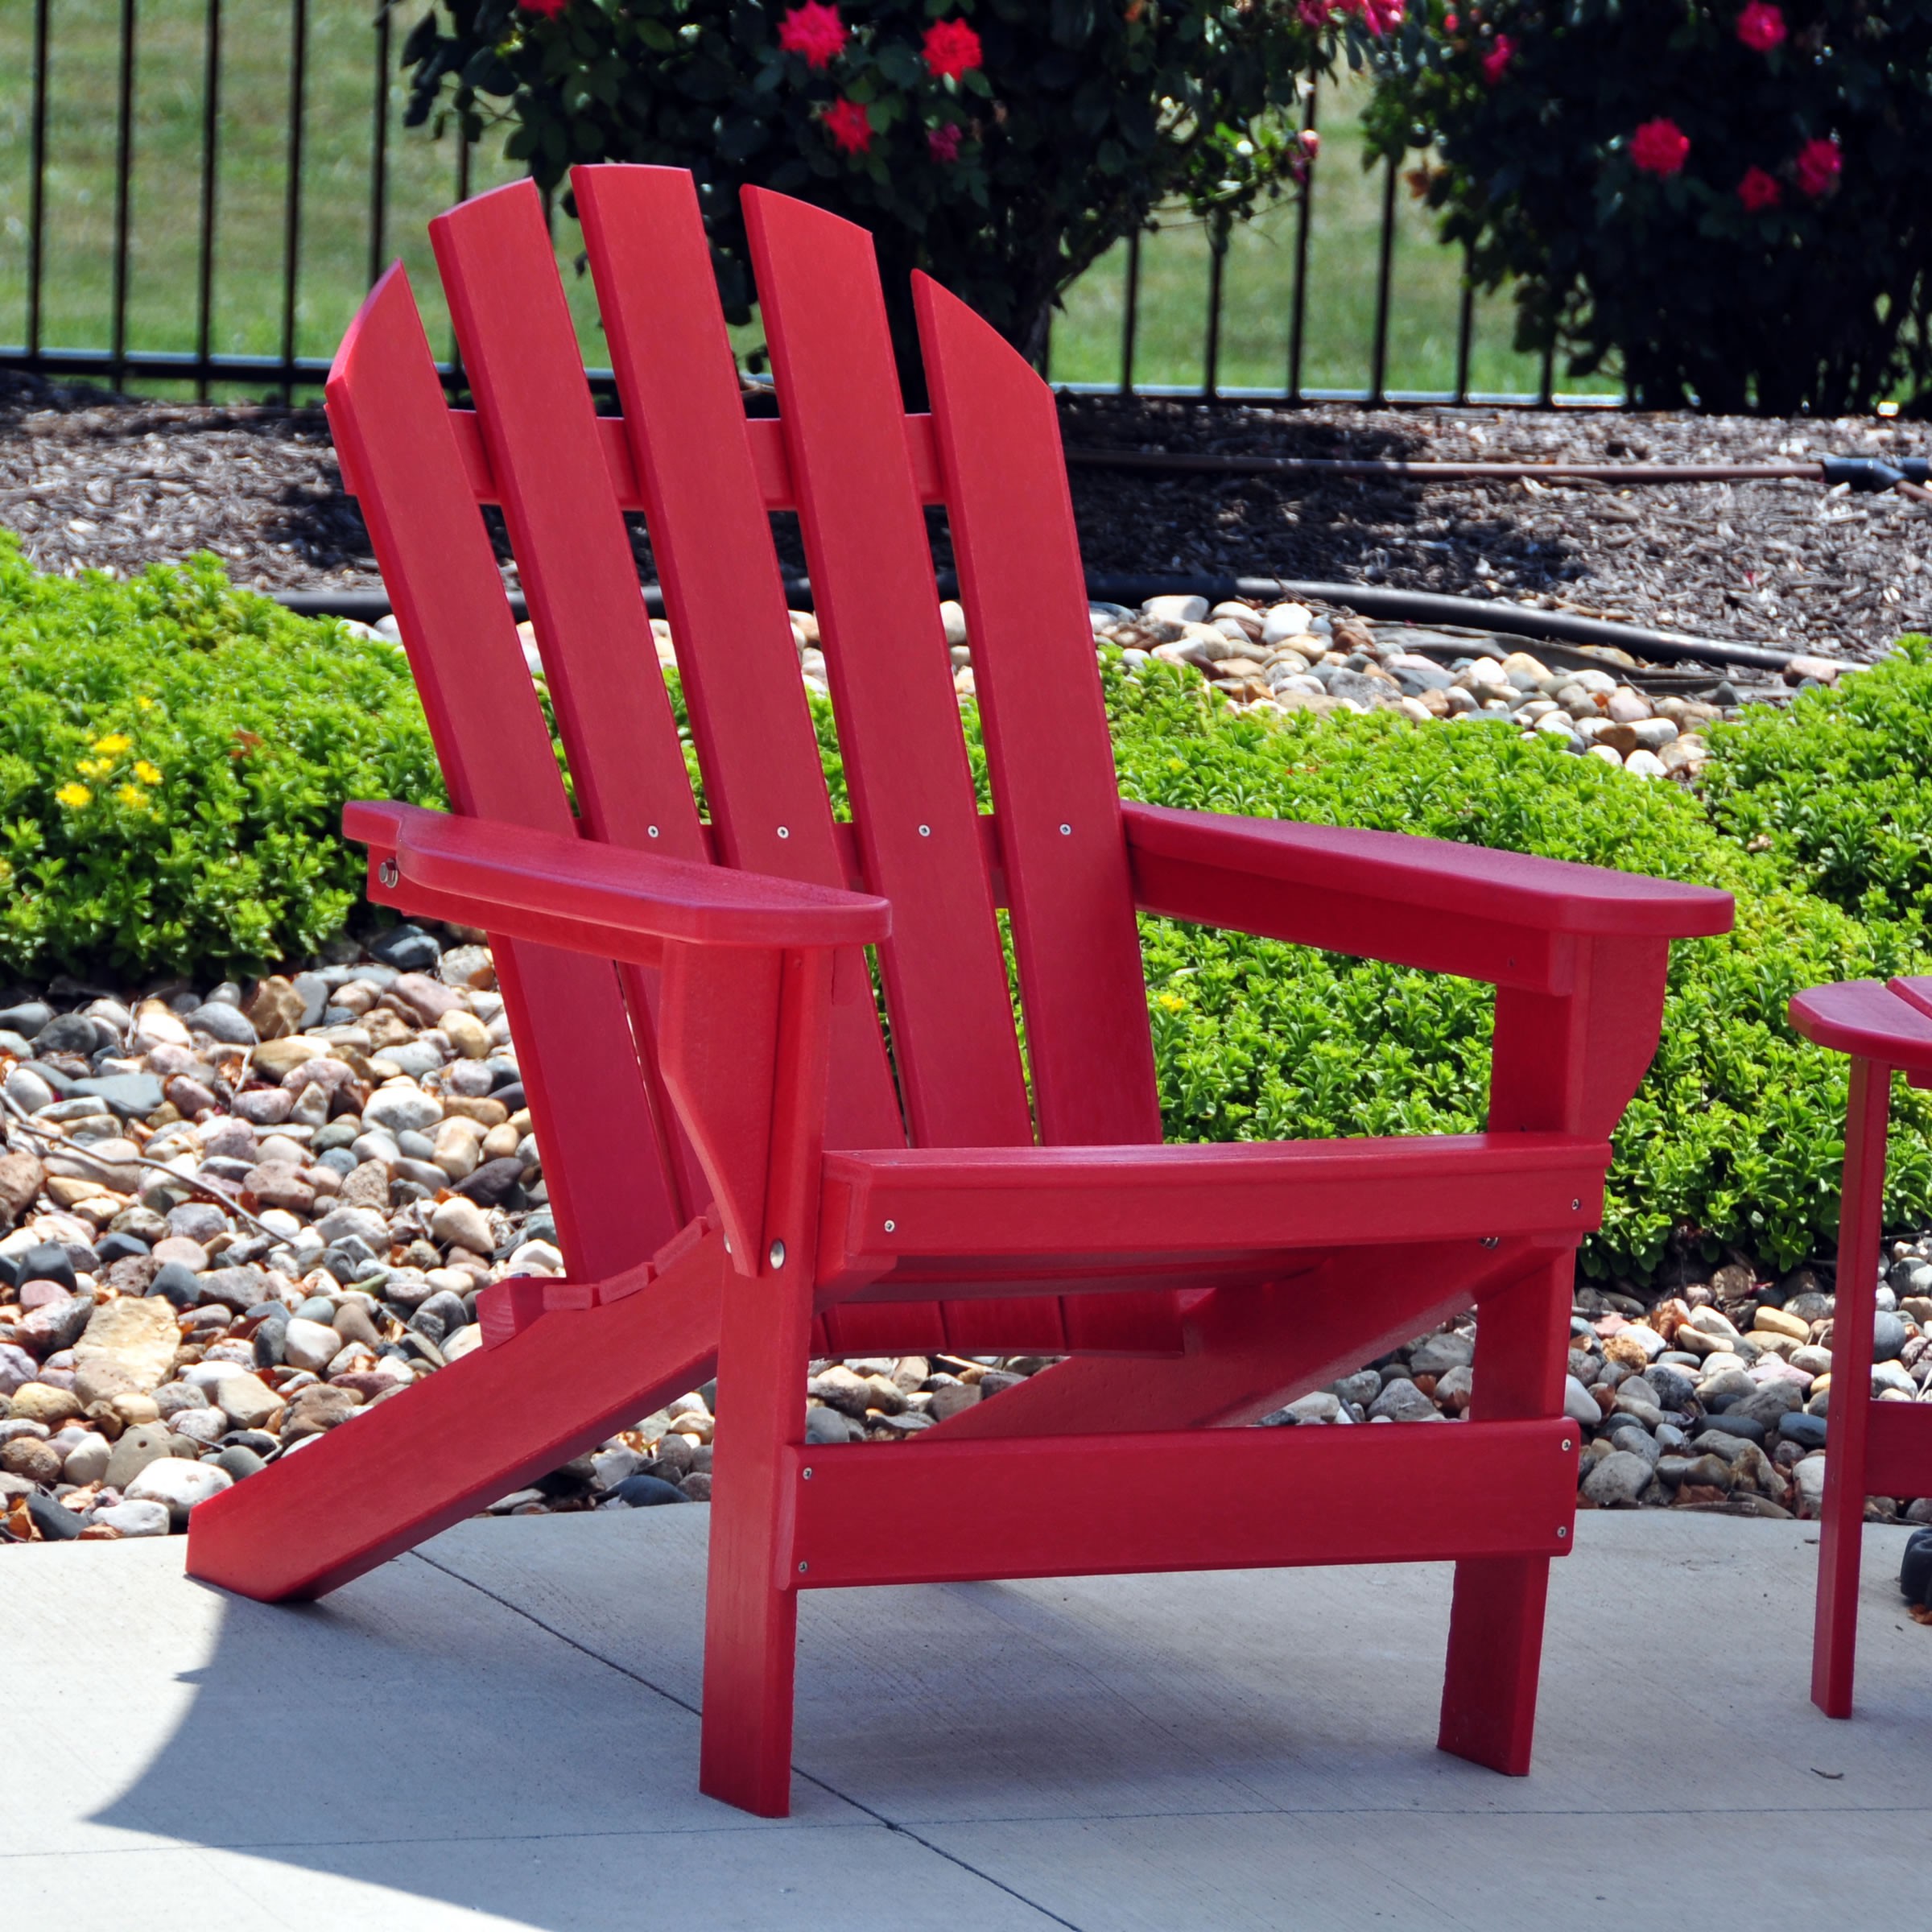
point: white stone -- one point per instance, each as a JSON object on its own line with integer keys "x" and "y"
{"x": 1285, "y": 620}
{"x": 1641, "y": 764}
{"x": 135, "y": 1518}
{"x": 179, "y": 1485}
{"x": 462, "y": 1223}
{"x": 463, "y": 1342}
{"x": 310, "y": 1345}
{"x": 87, "y": 1460}
{"x": 1175, "y": 610}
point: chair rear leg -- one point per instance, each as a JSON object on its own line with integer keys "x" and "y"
{"x": 1834, "y": 1631}
{"x": 1496, "y": 1624}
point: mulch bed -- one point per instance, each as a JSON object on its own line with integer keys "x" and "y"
{"x": 92, "y": 479}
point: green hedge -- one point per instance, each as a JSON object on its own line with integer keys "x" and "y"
{"x": 175, "y": 754}
{"x": 174, "y": 757}
{"x": 1737, "y": 1134}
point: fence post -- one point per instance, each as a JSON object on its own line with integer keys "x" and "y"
{"x": 291, "y": 213}
{"x": 1299, "y": 315}
{"x": 204, "y": 263}
{"x": 124, "y": 169}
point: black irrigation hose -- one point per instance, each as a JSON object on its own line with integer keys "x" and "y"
{"x": 1865, "y": 474}
{"x": 1371, "y": 600}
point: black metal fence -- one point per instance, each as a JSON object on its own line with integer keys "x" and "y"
{"x": 110, "y": 54}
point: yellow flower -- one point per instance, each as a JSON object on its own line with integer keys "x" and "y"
{"x": 113, "y": 744}
{"x": 75, "y": 795}
{"x": 131, "y": 794}
{"x": 147, "y": 774}
{"x": 1173, "y": 1002}
{"x": 95, "y": 768}
{"x": 146, "y": 703}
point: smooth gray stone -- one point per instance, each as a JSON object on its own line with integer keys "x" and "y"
{"x": 228, "y": 1024}
{"x": 134, "y": 1095}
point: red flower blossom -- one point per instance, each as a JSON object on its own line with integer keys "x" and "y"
{"x": 1311, "y": 142}
{"x": 1450, "y": 23}
{"x": 549, "y": 9}
{"x": 1761, "y": 27}
{"x": 944, "y": 142}
{"x": 1659, "y": 147}
{"x": 1378, "y": 16}
{"x": 815, "y": 30}
{"x": 1495, "y": 63}
{"x": 1817, "y": 166}
{"x": 952, "y": 49}
{"x": 1759, "y": 191}
{"x": 850, "y": 127}
{"x": 1313, "y": 13}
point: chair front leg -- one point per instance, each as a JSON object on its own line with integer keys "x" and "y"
{"x": 1566, "y": 1062}
{"x": 751, "y": 1611}
{"x": 1834, "y": 1634}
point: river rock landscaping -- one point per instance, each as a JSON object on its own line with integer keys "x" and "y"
{"x": 240, "y": 1207}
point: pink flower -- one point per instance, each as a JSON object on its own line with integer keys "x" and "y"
{"x": 944, "y": 142}
{"x": 815, "y": 30}
{"x": 1817, "y": 166}
{"x": 549, "y": 9}
{"x": 1659, "y": 147}
{"x": 850, "y": 127}
{"x": 1311, "y": 142}
{"x": 1495, "y": 63}
{"x": 1313, "y": 13}
{"x": 1450, "y": 23}
{"x": 952, "y": 49}
{"x": 1761, "y": 27}
{"x": 1378, "y": 16}
{"x": 1759, "y": 191}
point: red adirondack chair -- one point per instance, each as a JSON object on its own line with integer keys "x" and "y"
{"x": 1872, "y": 1447}
{"x": 741, "y": 1175}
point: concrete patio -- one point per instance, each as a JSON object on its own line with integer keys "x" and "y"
{"x": 501, "y": 1731}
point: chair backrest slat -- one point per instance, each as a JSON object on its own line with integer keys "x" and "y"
{"x": 704, "y": 505}
{"x": 1049, "y": 758}
{"x": 839, "y": 408}
{"x": 585, "y": 1084}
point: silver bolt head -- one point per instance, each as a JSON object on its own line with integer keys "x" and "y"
{"x": 778, "y": 1254}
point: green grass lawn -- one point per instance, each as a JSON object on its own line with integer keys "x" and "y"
{"x": 253, "y": 174}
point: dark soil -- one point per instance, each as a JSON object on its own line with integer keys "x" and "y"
{"x": 91, "y": 479}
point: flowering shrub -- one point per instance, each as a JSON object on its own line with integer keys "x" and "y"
{"x": 174, "y": 756}
{"x": 1732, "y": 203}
{"x": 1002, "y": 145}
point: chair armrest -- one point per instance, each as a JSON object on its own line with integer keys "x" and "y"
{"x": 592, "y": 898}
{"x": 1502, "y": 917}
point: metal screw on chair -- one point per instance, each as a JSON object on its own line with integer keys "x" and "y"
{"x": 388, "y": 872}
{"x": 1562, "y": 1531}
{"x": 890, "y": 1226}
{"x": 807, "y": 1474}
{"x": 1566, "y": 1445}
{"x": 925, "y": 832}
{"x": 778, "y": 1254}
{"x": 784, "y": 832}
{"x": 1575, "y": 1205}
{"x": 803, "y": 1567}
{"x": 1066, "y": 832}
{"x": 652, "y": 830}
{"x": 1492, "y": 1240}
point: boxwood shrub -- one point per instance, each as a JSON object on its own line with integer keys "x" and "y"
{"x": 175, "y": 754}
{"x": 1735, "y": 1136}
{"x": 174, "y": 757}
